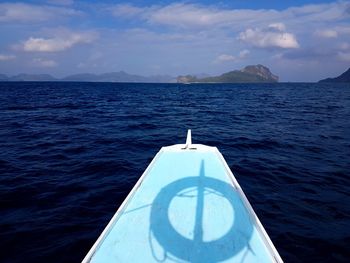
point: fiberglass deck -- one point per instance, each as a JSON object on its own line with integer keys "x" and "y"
{"x": 187, "y": 207}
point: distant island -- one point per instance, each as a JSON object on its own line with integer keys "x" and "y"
{"x": 249, "y": 74}
{"x": 345, "y": 77}
{"x": 120, "y": 76}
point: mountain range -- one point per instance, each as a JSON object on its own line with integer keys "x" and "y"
{"x": 252, "y": 73}
{"x": 120, "y": 76}
{"x": 256, "y": 73}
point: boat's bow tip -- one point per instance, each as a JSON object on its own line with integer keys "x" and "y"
{"x": 189, "y": 138}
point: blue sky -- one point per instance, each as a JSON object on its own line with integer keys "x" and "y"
{"x": 298, "y": 40}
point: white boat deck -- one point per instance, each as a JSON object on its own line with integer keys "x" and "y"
{"x": 186, "y": 207}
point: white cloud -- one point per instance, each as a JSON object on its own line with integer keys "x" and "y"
{"x": 344, "y": 29}
{"x": 344, "y": 56}
{"x": 21, "y": 12}
{"x": 225, "y": 58}
{"x": 327, "y": 33}
{"x": 61, "y": 2}
{"x": 271, "y": 37}
{"x": 244, "y": 53}
{"x": 60, "y": 42}
{"x": 45, "y": 63}
{"x": 189, "y": 16}
{"x": 278, "y": 27}
{"x": 230, "y": 58}
{"x": 334, "y": 11}
{"x": 126, "y": 10}
{"x": 4, "y": 57}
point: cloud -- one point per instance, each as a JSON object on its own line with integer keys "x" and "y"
{"x": 344, "y": 56}
{"x": 225, "y": 58}
{"x": 191, "y": 16}
{"x": 61, "y": 2}
{"x": 230, "y": 58}
{"x": 321, "y": 53}
{"x": 4, "y": 57}
{"x": 327, "y": 33}
{"x": 126, "y": 10}
{"x": 188, "y": 16}
{"x": 344, "y": 46}
{"x": 45, "y": 63}
{"x": 334, "y": 11}
{"x": 271, "y": 37}
{"x": 21, "y": 12}
{"x": 244, "y": 53}
{"x": 277, "y": 26}
{"x": 61, "y": 42}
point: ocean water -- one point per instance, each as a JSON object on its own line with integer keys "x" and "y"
{"x": 71, "y": 152}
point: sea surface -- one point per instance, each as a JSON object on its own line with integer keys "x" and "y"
{"x": 71, "y": 152}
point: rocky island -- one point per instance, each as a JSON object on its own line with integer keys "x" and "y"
{"x": 345, "y": 77}
{"x": 249, "y": 74}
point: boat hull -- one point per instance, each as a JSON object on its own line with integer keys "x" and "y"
{"x": 188, "y": 207}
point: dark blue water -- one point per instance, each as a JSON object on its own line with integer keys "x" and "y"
{"x": 71, "y": 152}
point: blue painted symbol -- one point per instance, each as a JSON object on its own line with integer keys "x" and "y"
{"x": 196, "y": 249}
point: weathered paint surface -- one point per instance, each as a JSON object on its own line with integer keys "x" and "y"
{"x": 186, "y": 209}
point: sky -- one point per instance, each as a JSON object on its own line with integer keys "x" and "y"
{"x": 298, "y": 40}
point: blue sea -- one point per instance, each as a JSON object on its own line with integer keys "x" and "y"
{"x": 71, "y": 152}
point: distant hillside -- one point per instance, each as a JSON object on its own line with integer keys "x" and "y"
{"x": 107, "y": 77}
{"x": 27, "y": 77}
{"x": 345, "y": 77}
{"x": 88, "y": 77}
{"x": 249, "y": 74}
{"x": 79, "y": 77}
{"x": 120, "y": 76}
